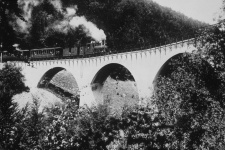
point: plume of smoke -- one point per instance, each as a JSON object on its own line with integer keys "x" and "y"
{"x": 89, "y": 27}
{"x": 70, "y": 12}
{"x": 27, "y": 7}
{"x": 70, "y": 21}
{"x": 57, "y": 4}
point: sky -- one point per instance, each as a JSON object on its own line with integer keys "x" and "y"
{"x": 202, "y": 10}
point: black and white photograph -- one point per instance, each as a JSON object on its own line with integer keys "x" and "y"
{"x": 112, "y": 74}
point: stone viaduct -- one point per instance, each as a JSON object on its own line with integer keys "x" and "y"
{"x": 90, "y": 73}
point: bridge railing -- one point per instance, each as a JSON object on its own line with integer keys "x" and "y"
{"x": 191, "y": 41}
{"x": 188, "y": 41}
{"x": 181, "y": 41}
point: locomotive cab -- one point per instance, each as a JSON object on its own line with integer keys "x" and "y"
{"x": 100, "y": 47}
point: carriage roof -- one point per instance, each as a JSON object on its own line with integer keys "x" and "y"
{"x": 41, "y": 49}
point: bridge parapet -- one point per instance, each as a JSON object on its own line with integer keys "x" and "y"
{"x": 184, "y": 43}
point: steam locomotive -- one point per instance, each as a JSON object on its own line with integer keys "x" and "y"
{"x": 92, "y": 48}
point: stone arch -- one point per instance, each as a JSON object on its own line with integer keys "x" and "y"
{"x": 164, "y": 69}
{"x": 68, "y": 90}
{"x": 46, "y": 78}
{"x": 100, "y": 78}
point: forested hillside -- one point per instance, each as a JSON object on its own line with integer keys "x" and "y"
{"x": 125, "y": 23}
{"x": 134, "y": 23}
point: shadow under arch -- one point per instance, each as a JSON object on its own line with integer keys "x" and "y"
{"x": 58, "y": 86}
{"x": 204, "y": 70}
{"x": 165, "y": 69}
{"x": 47, "y": 77}
{"x": 122, "y": 74}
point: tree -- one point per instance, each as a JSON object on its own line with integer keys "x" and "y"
{"x": 7, "y": 10}
{"x": 43, "y": 15}
{"x": 11, "y": 83}
{"x": 131, "y": 24}
{"x": 191, "y": 96}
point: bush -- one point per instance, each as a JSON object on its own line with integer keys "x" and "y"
{"x": 11, "y": 83}
{"x": 69, "y": 127}
{"x": 66, "y": 127}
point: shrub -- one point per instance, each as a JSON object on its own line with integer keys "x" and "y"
{"x": 11, "y": 83}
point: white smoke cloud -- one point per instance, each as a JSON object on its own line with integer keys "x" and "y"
{"x": 27, "y": 7}
{"x": 70, "y": 21}
{"x": 57, "y": 4}
{"x": 90, "y": 28}
{"x": 71, "y": 11}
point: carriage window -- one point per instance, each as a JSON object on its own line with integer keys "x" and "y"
{"x": 58, "y": 51}
{"x": 97, "y": 44}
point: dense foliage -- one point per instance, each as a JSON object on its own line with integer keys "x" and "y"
{"x": 131, "y": 23}
{"x": 126, "y": 23}
{"x": 186, "y": 112}
{"x": 8, "y": 11}
{"x": 11, "y": 83}
{"x": 191, "y": 96}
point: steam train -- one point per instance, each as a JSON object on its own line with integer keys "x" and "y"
{"x": 92, "y": 48}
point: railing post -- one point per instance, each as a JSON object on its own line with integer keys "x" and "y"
{"x": 182, "y": 42}
{"x": 195, "y": 41}
{"x": 188, "y": 41}
{"x": 176, "y": 42}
